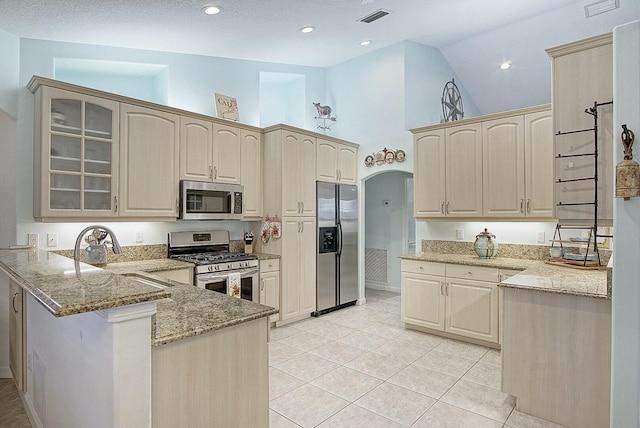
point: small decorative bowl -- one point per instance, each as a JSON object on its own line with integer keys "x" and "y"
{"x": 556, "y": 252}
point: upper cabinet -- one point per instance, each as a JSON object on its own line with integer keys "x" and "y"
{"x": 148, "y": 163}
{"x": 517, "y": 166}
{"x": 582, "y": 74}
{"x": 209, "y": 152}
{"x": 251, "y": 177}
{"x": 496, "y": 166}
{"x": 290, "y": 172}
{"x": 75, "y": 155}
{"x": 337, "y": 162}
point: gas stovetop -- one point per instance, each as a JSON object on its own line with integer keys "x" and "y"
{"x": 215, "y": 257}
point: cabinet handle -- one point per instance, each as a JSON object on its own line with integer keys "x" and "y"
{"x": 177, "y": 205}
{"x": 442, "y": 208}
{"x": 421, "y": 267}
{"x": 442, "y": 288}
{"x": 13, "y": 303}
{"x": 528, "y": 207}
{"x": 302, "y": 204}
{"x": 301, "y": 227}
{"x": 211, "y": 172}
{"x": 521, "y": 205}
{"x": 115, "y": 209}
{"x": 262, "y": 284}
{"x": 446, "y": 289}
{"x": 215, "y": 172}
{"x": 447, "y": 207}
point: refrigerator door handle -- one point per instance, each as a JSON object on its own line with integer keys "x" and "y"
{"x": 339, "y": 238}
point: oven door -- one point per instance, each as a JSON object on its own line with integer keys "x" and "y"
{"x": 219, "y": 281}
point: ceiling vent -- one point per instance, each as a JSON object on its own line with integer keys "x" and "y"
{"x": 375, "y": 16}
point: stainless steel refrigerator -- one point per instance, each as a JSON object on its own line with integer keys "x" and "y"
{"x": 337, "y": 253}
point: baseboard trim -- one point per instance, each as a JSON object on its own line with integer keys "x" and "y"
{"x": 381, "y": 287}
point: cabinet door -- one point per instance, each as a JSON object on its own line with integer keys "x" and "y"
{"x": 347, "y": 164}
{"x": 307, "y": 176}
{"x": 538, "y": 146}
{"x": 328, "y": 153}
{"x": 464, "y": 171}
{"x": 148, "y": 163}
{"x": 270, "y": 291}
{"x": 291, "y": 268}
{"x": 76, "y": 155}
{"x": 227, "y": 142}
{"x": 422, "y": 301}
{"x": 429, "y": 174}
{"x": 581, "y": 75}
{"x": 251, "y": 173}
{"x": 291, "y": 154}
{"x": 503, "y": 167}
{"x": 472, "y": 309}
{"x": 196, "y": 155}
{"x": 307, "y": 280}
{"x": 16, "y": 337}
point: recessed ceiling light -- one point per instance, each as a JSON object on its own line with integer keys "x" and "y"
{"x": 307, "y": 29}
{"x": 212, "y": 10}
{"x": 505, "y": 66}
{"x": 365, "y": 42}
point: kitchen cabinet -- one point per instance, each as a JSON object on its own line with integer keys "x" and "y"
{"x": 149, "y": 153}
{"x": 582, "y": 73}
{"x": 75, "y": 155}
{"x": 337, "y": 162}
{"x": 17, "y": 342}
{"x": 298, "y": 260}
{"x": 290, "y": 172}
{"x": 184, "y": 275}
{"x": 251, "y": 174}
{"x": 209, "y": 151}
{"x": 270, "y": 285}
{"x": 448, "y": 172}
{"x": 458, "y": 300}
{"x": 494, "y": 166}
{"x": 518, "y": 166}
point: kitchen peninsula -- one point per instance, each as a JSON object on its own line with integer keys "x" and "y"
{"x": 127, "y": 349}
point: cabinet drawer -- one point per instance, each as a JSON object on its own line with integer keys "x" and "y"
{"x": 429, "y": 268}
{"x": 479, "y": 273}
{"x": 270, "y": 265}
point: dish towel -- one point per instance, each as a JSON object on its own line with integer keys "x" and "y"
{"x": 233, "y": 285}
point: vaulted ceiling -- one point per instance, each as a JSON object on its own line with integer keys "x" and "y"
{"x": 475, "y": 36}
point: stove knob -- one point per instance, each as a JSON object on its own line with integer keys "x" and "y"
{"x": 210, "y": 268}
{"x": 230, "y": 266}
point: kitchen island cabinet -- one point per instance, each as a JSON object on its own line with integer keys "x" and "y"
{"x": 556, "y": 346}
{"x": 99, "y": 337}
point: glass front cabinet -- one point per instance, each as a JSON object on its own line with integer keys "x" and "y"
{"x": 77, "y": 158}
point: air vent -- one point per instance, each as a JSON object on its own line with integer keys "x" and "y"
{"x": 375, "y": 16}
{"x": 601, "y": 6}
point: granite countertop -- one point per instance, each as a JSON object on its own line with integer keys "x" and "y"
{"x": 535, "y": 275}
{"x": 189, "y": 311}
{"x": 66, "y": 288}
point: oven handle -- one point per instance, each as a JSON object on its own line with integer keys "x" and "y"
{"x": 215, "y": 275}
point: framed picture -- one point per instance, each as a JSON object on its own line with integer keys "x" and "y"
{"x": 226, "y": 107}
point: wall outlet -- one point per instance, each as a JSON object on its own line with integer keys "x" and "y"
{"x": 52, "y": 240}
{"x": 139, "y": 236}
{"x": 459, "y": 233}
{"x": 33, "y": 239}
{"x": 540, "y": 237}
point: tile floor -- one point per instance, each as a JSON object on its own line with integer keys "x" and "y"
{"x": 359, "y": 367}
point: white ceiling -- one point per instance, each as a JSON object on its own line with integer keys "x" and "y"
{"x": 264, "y": 30}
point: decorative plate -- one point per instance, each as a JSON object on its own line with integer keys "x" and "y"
{"x": 379, "y": 158}
{"x": 580, "y": 257}
{"x": 368, "y": 161}
{"x": 389, "y": 156}
{"x": 400, "y": 155}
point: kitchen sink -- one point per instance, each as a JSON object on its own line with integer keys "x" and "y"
{"x": 147, "y": 280}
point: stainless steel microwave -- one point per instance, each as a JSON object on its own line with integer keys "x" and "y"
{"x": 201, "y": 200}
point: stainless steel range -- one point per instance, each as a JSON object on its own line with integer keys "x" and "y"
{"x": 216, "y": 268}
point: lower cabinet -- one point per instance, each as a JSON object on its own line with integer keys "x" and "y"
{"x": 270, "y": 285}
{"x": 181, "y": 275}
{"x": 459, "y": 300}
{"x": 16, "y": 335}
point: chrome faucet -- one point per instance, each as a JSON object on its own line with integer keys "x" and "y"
{"x": 114, "y": 241}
